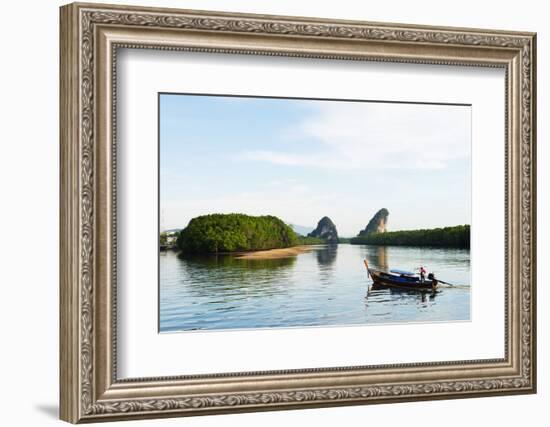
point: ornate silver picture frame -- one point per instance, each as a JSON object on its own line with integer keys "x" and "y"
{"x": 91, "y": 35}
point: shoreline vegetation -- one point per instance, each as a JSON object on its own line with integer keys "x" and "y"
{"x": 218, "y": 233}
{"x": 269, "y": 237}
{"x": 449, "y": 237}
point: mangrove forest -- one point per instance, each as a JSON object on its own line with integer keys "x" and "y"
{"x": 455, "y": 237}
{"x": 234, "y": 233}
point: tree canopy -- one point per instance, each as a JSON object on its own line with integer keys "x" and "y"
{"x": 234, "y": 232}
{"x": 457, "y": 237}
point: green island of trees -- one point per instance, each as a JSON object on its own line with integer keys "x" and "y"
{"x": 234, "y": 232}
{"x": 224, "y": 233}
{"x": 456, "y": 237}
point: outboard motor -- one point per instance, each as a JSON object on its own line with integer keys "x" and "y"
{"x": 431, "y": 277}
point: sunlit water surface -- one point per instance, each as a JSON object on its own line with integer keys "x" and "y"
{"x": 325, "y": 287}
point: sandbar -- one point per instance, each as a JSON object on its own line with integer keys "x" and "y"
{"x": 276, "y": 253}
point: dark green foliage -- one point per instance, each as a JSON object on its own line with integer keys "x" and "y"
{"x": 308, "y": 240}
{"x": 455, "y": 237}
{"x": 344, "y": 240}
{"x": 235, "y": 233}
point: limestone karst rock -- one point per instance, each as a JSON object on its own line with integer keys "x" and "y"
{"x": 377, "y": 224}
{"x": 325, "y": 230}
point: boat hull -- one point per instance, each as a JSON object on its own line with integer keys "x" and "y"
{"x": 384, "y": 279}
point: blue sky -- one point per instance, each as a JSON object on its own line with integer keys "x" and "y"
{"x": 303, "y": 159}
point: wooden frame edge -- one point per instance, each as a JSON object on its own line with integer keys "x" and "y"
{"x": 69, "y": 221}
{"x": 73, "y": 406}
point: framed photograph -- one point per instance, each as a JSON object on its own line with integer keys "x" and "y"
{"x": 267, "y": 212}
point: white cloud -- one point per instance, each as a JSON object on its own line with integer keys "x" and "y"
{"x": 376, "y": 135}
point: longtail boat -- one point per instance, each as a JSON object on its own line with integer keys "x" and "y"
{"x": 401, "y": 279}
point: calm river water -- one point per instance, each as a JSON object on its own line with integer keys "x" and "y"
{"x": 325, "y": 287}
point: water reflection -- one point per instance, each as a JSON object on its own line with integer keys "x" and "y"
{"x": 382, "y": 257}
{"x": 226, "y": 260}
{"x": 325, "y": 286}
{"x": 326, "y": 255}
{"x": 423, "y": 295}
{"x": 222, "y": 278}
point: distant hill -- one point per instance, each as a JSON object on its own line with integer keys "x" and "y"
{"x": 325, "y": 230}
{"x": 302, "y": 229}
{"x": 377, "y": 224}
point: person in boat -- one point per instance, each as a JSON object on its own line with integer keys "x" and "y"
{"x": 422, "y": 274}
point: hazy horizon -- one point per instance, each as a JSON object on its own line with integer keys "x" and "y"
{"x": 301, "y": 160}
{"x": 309, "y": 227}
